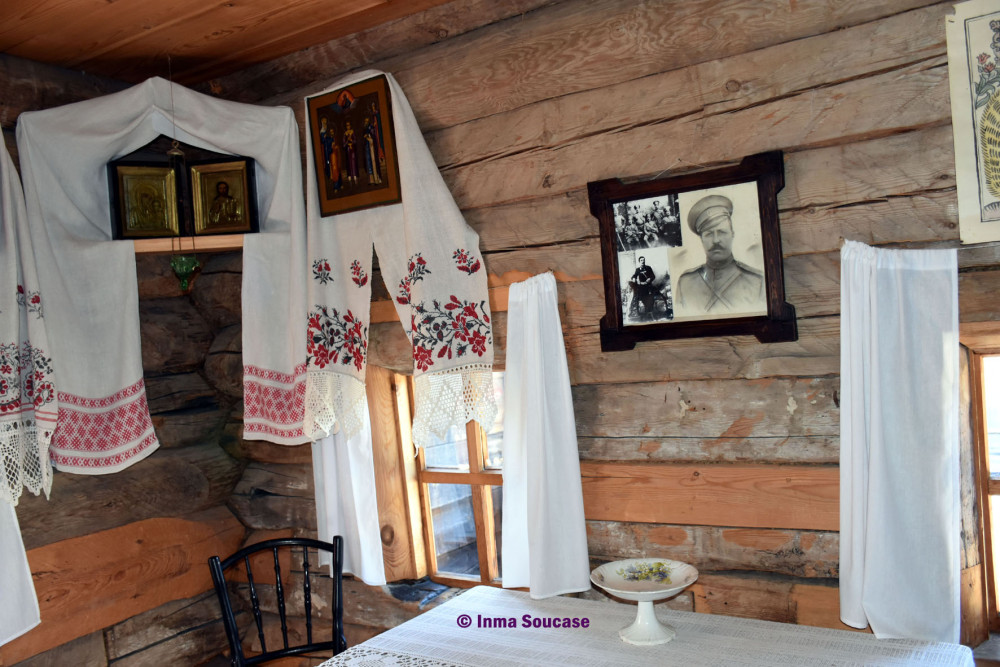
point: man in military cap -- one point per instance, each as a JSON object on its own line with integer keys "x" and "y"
{"x": 721, "y": 284}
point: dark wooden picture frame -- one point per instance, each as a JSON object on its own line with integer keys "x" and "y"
{"x": 224, "y": 196}
{"x": 694, "y": 255}
{"x": 145, "y": 200}
{"x": 354, "y": 147}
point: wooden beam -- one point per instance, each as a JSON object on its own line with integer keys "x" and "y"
{"x": 709, "y": 86}
{"x": 88, "y": 583}
{"x": 390, "y": 480}
{"x": 572, "y": 47}
{"x": 745, "y": 496}
{"x": 201, "y": 477}
{"x": 316, "y": 64}
{"x": 794, "y": 553}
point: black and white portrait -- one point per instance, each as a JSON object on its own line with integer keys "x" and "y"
{"x": 646, "y": 294}
{"x": 718, "y": 269}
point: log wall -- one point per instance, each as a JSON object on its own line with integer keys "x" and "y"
{"x": 718, "y": 451}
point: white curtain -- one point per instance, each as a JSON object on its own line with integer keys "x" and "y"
{"x": 899, "y": 503}
{"x": 18, "y": 604}
{"x": 344, "y": 476}
{"x": 544, "y": 534}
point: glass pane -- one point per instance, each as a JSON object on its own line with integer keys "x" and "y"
{"x": 454, "y": 529}
{"x": 494, "y": 434}
{"x": 451, "y": 453}
{"x": 991, "y": 405}
{"x": 497, "y": 523}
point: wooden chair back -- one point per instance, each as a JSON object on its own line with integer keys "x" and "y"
{"x": 250, "y": 578}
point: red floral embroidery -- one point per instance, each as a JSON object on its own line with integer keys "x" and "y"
{"x": 451, "y": 330}
{"x": 30, "y": 300}
{"x": 27, "y": 368}
{"x": 334, "y": 338}
{"x": 466, "y": 261}
{"x": 416, "y": 270}
{"x": 358, "y": 274}
{"x": 321, "y": 271}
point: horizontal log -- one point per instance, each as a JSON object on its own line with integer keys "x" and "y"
{"x": 716, "y": 85}
{"x": 308, "y": 67}
{"x": 262, "y": 451}
{"x": 183, "y": 391}
{"x": 175, "y": 337}
{"x": 199, "y": 478}
{"x": 171, "y": 621}
{"x": 784, "y": 600}
{"x": 87, "y": 650}
{"x": 709, "y": 408}
{"x": 29, "y": 85}
{"x": 856, "y": 110}
{"x": 737, "y": 495}
{"x": 807, "y": 554}
{"x": 773, "y": 449}
{"x": 218, "y": 297}
{"x": 273, "y": 496}
{"x": 571, "y": 47}
{"x": 188, "y": 428}
{"x": 92, "y": 582}
{"x": 977, "y": 300}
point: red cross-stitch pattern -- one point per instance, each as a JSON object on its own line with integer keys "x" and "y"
{"x": 274, "y": 410}
{"x": 104, "y": 462}
{"x": 125, "y": 429}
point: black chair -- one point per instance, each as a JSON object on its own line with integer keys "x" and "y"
{"x": 296, "y": 545}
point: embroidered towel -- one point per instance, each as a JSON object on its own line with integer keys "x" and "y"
{"x": 27, "y": 382}
{"x": 89, "y": 284}
{"x": 430, "y": 261}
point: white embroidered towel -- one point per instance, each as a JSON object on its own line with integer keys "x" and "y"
{"x": 18, "y": 603}
{"x": 429, "y": 259}
{"x": 27, "y": 382}
{"x": 89, "y": 282}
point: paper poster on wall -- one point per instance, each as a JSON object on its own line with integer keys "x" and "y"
{"x": 973, "y": 60}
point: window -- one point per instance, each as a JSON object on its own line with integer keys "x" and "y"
{"x": 988, "y": 370}
{"x": 460, "y": 483}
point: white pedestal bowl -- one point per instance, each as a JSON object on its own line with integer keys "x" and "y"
{"x": 645, "y": 580}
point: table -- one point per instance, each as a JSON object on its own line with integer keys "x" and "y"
{"x": 437, "y": 638}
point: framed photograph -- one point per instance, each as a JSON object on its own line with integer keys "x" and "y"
{"x": 974, "y": 74}
{"x": 144, "y": 200}
{"x": 694, "y": 255}
{"x": 354, "y": 147}
{"x": 224, "y": 197}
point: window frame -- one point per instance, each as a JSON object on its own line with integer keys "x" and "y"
{"x": 481, "y": 480}
{"x": 986, "y": 484}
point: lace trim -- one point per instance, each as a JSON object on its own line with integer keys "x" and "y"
{"x": 334, "y": 402}
{"x": 451, "y": 398}
{"x": 24, "y": 460}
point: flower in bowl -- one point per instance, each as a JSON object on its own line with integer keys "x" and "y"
{"x": 642, "y": 571}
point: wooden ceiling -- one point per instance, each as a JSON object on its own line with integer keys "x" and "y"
{"x": 131, "y": 40}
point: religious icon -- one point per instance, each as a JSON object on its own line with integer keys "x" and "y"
{"x": 353, "y": 147}
{"x": 224, "y": 197}
{"x": 144, "y": 201}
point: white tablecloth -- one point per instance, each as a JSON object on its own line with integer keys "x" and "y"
{"x": 436, "y": 638}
